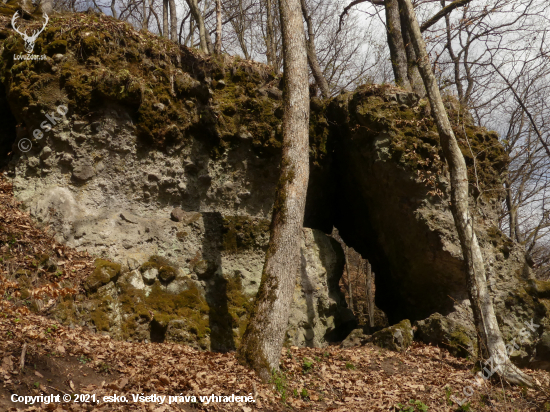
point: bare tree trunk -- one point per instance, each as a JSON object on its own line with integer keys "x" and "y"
{"x": 205, "y": 42}
{"x": 173, "y": 21}
{"x": 46, "y": 6}
{"x": 144, "y": 20}
{"x": 412, "y": 61}
{"x": 263, "y": 339}
{"x": 218, "y": 47}
{"x": 490, "y": 341}
{"x": 148, "y": 14}
{"x": 113, "y": 9}
{"x": 165, "y": 18}
{"x": 312, "y": 54}
{"x": 512, "y": 213}
{"x": 270, "y": 37}
{"x": 191, "y": 33}
{"x": 397, "y": 47}
{"x": 369, "y": 278}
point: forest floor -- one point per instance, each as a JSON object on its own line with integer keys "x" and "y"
{"x": 41, "y": 357}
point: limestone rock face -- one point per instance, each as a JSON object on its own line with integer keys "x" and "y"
{"x": 317, "y": 293}
{"x": 207, "y": 308}
{"x": 204, "y": 138}
{"x": 440, "y": 330}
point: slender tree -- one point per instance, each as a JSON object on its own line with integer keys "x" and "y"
{"x": 204, "y": 36}
{"x": 312, "y": 54}
{"x": 270, "y": 37}
{"x": 396, "y": 45}
{"x": 165, "y": 18}
{"x": 218, "y": 46}
{"x": 412, "y": 61}
{"x": 263, "y": 339}
{"x": 491, "y": 341}
{"x": 173, "y": 21}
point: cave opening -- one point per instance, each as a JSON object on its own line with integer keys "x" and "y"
{"x": 387, "y": 217}
{"x": 157, "y": 332}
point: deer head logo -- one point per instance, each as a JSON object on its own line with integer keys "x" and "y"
{"x": 29, "y": 40}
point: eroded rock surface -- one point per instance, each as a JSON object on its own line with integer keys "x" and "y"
{"x": 153, "y": 128}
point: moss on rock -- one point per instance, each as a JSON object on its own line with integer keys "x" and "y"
{"x": 242, "y": 233}
{"x": 105, "y": 272}
{"x": 397, "y": 337}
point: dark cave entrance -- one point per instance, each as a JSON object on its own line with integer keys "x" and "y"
{"x": 376, "y": 206}
{"x": 157, "y": 331}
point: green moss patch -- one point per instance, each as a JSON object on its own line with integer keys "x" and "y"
{"x": 397, "y": 337}
{"x": 105, "y": 272}
{"x": 244, "y": 233}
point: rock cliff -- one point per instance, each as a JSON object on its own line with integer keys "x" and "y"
{"x": 165, "y": 161}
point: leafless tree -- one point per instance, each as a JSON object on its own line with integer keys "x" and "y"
{"x": 491, "y": 341}
{"x": 263, "y": 339}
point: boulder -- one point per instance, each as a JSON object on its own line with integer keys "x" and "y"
{"x": 447, "y": 333}
{"x": 397, "y": 337}
{"x": 357, "y": 337}
{"x": 104, "y": 273}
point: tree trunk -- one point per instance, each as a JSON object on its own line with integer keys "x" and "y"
{"x": 413, "y": 73}
{"x": 46, "y": 6}
{"x": 490, "y": 341}
{"x": 113, "y": 9}
{"x": 191, "y": 33}
{"x": 144, "y": 20}
{"x": 512, "y": 213}
{"x": 264, "y": 336}
{"x": 218, "y": 47}
{"x": 270, "y": 37}
{"x": 312, "y": 54}
{"x": 396, "y": 45}
{"x": 370, "y": 294}
{"x": 173, "y": 21}
{"x": 165, "y": 18}
{"x": 204, "y": 37}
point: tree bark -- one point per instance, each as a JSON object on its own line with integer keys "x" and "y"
{"x": 270, "y": 37}
{"x": 444, "y": 12}
{"x": 144, "y": 20}
{"x": 113, "y": 9}
{"x": 165, "y": 18}
{"x": 490, "y": 341}
{"x": 46, "y": 6}
{"x": 512, "y": 213}
{"x": 173, "y": 21}
{"x": 413, "y": 72}
{"x": 218, "y": 47}
{"x": 263, "y": 339}
{"x": 312, "y": 54}
{"x": 396, "y": 45}
{"x": 204, "y": 37}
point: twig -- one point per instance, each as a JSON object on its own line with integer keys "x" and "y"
{"x": 23, "y": 352}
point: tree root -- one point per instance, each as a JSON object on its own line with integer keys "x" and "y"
{"x": 514, "y": 375}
